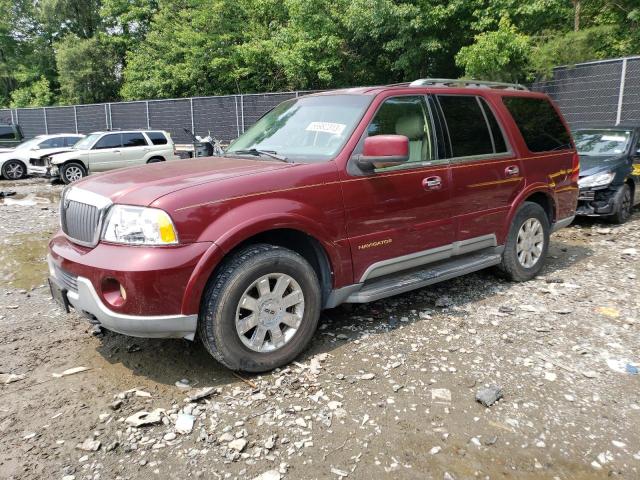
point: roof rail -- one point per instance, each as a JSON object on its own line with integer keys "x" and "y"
{"x": 450, "y": 82}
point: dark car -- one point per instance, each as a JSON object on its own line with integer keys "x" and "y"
{"x": 609, "y": 171}
{"x": 346, "y": 196}
{"x": 10, "y": 135}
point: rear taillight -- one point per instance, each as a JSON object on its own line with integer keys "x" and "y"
{"x": 575, "y": 168}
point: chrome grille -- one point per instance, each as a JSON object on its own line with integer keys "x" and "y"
{"x": 68, "y": 280}
{"x": 81, "y": 215}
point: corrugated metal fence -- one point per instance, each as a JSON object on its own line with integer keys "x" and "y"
{"x": 597, "y": 93}
{"x": 225, "y": 116}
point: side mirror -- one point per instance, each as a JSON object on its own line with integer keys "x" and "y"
{"x": 389, "y": 150}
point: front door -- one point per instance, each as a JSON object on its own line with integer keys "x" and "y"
{"x": 397, "y": 216}
{"x": 486, "y": 173}
{"x": 106, "y": 154}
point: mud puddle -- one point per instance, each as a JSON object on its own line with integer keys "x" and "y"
{"x": 31, "y": 199}
{"x": 23, "y": 263}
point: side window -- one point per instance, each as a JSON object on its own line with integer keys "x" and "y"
{"x": 71, "y": 141}
{"x": 113, "y": 140}
{"x": 466, "y": 125}
{"x": 157, "y": 138}
{"x": 52, "y": 143}
{"x": 406, "y": 116}
{"x": 6, "y": 132}
{"x": 539, "y": 123}
{"x": 133, "y": 140}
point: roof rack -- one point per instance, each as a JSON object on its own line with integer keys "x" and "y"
{"x": 450, "y": 82}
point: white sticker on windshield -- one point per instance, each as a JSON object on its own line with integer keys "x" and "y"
{"x": 613, "y": 138}
{"x": 326, "y": 127}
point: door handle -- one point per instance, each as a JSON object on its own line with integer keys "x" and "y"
{"x": 511, "y": 171}
{"x": 432, "y": 183}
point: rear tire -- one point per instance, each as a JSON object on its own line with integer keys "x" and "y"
{"x": 625, "y": 207}
{"x": 261, "y": 309}
{"x": 527, "y": 243}
{"x": 14, "y": 170}
{"x": 72, "y": 172}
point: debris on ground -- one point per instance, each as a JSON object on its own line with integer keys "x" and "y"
{"x": 70, "y": 371}
{"x": 489, "y": 396}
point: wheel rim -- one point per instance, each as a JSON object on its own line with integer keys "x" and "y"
{"x": 270, "y": 312}
{"x": 530, "y": 242}
{"x": 14, "y": 170}
{"x": 73, "y": 173}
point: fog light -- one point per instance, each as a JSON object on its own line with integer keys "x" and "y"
{"x": 113, "y": 292}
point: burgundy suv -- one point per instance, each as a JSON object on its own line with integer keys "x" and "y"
{"x": 346, "y": 196}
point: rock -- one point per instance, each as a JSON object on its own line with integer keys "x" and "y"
{"x": 183, "y": 384}
{"x": 368, "y": 376}
{"x": 340, "y": 473}
{"x": 169, "y": 436}
{"x": 89, "y": 445}
{"x": 435, "y": 450}
{"x": 7, "y": 378}
{"x": 334, "y": 405}
{"x": 225, "y": 437}
{"x": 269, "y": 475}
{"x": 444, "y": 302}
{"x": 143, "y": 417}
{"x": 301, "y": 423}
{"x": 184, "y": 423}
{"x": 202, "y": 393}
{"x": 116, "y": 405}
{"x": 441, "y": 395}
{"x": 112, "y": 446}
{"x": 550, "y": 376}
{"x": 489, "y": 396}
{"x": 238, "y": 444}
{"x": 70, "y": 371}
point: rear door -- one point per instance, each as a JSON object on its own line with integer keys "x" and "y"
{"x": 134, "y": 149}
{"x": 106, "y": 154}
{"x": 486, "y": 173}
{"x": 397, "y": 217}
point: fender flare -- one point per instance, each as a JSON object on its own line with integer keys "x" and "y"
{"x": 537, "y": 187}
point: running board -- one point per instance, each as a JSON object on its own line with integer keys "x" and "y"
{"x": 418, "y": 278}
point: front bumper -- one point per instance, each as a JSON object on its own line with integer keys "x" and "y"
{"x": 598, "y": 202}
{"x": 159, "y": 284}
{"x": 86, "y": 301}
{"x": 43, "y": 171}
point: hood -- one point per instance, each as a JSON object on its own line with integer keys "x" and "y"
{"x": 45, "y": 152}
{"x": 590, "y": 165}
{"x": 69, "y": 154}
{"x": 143, "y": 184}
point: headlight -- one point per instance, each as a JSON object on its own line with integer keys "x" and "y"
{"x": 597, "y": 180}
{"x": 139, "y": 226}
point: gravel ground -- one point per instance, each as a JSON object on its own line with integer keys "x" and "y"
{"x": 386, "y": 390}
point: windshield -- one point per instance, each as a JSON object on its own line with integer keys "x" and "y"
{"x": 307, "y": 129}
{"x": 29, "y": 144}
{"x": 86, "y": 142}
{"x": 602, "y": 142}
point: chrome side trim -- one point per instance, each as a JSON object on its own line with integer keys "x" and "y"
{"x": 412, "y": 260}
{"x": 565, "y": 222}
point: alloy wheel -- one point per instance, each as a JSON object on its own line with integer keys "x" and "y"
{"x": 73, "y": 173}
{"x": 530, "y": 243}
{"x": 14, "y": 170}
{"x": 270, "y": 312}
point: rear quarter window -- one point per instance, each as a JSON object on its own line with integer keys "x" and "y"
{"x": 157, "y": 138}
{"x": 539, "y": 123}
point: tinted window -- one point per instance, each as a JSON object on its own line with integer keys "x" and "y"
{"x": 539, "y": 123}
{"x": 109, "y": 141}
{"x": 7, "y": 132}
{"x": 157, "y": 138}
{"x": 496, "y": 132}
{"x": 71, "y": 141}
{"x": 52, "y": 143}
{"x": 133, "y": 140}
{"x": 466, "y": 125}
{"x": 406, "y": 116}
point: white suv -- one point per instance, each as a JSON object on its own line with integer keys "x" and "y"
{"x": 101, "y": 151}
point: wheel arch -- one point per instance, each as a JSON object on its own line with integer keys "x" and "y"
{"x": 540, "y": 194}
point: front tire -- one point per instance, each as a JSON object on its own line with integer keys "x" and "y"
{"x": 14, "y": 170}
{"x": 72, "y": 172}
{"x": 625, "y": 207}
{"x": 527, "y": 243}
{"x": 261, "y": 309}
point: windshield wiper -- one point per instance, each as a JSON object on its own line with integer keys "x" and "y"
{"x": 256, "y": 152}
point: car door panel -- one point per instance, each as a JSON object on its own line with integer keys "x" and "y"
{"x": 399, "y": 211}
{"x": 106, "y": 153}
{"x": 135, "y": 150}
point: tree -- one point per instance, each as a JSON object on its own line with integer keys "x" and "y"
{"x": 502, "y": 55}
{"x": 87, "y": 69}
{"x": 36, "y": 94}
